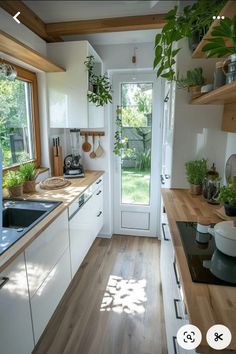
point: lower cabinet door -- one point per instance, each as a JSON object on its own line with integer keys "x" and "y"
{"x": 16, "y": 335}
{"x": 48, "y": 296}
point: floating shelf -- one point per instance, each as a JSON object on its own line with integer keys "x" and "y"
{"x": 18, "y": 50}
{"x": 223, "y": 95}
{"x": 229, "y": 10}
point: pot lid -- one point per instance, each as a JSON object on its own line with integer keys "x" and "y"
{"x": 226, "y": 229}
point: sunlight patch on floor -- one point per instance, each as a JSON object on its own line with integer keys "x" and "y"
{"x": 125, "y": 295}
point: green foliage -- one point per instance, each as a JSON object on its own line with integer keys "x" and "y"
{"x": 121, "y": 142}
{"x": 196, "y": 171}
{"x": 101, "y": 94}
{"x": 13, "y": 179}
{"x": 227, "y": 195}
{"x": 144, "y": 102}
{"x": 193, "y": 18}
{"x": 216, "y": 45}
{"x": 28, "y": 171}
{"x": 144, "y": 160}
{"x": 193, "y": 77}
{"x": 132, "y": 117}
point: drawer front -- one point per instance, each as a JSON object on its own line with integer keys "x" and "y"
{"x": 45, "y": 251}
{"x": 98, "y": 209}
{"x": 48, "y": 296}
{"x": 16, "y": 334}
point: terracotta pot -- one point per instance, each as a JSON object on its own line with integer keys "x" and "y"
{"x": 196, "y": 189}
{"x": 195, "y": 91}
{"x": 29, "y": 186}
{"x": 16, "y": 191}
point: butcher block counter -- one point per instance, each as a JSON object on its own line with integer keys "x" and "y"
{"x": 65, "y": 195}
{"x": 207, "y": 305}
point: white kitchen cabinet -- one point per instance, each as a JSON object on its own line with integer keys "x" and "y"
{"x": 174, "y": 309}
{"x": 68, "y": 102}
{"x": 48, "y": 296}
{"x": 85, "y": 223}
{"x": 45, "y": 251}
{"x": 16, "y": 334}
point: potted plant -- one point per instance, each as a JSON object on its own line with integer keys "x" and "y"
{"x": 99, "y": 85}
{"x": 227, "y": 195}
{"x": 196, "y": 171}
{"x": 13, "y": 181}
{"x": 193, "y": 81}
{"x": 29, "y": 174}
{"x": 178, "y": 26}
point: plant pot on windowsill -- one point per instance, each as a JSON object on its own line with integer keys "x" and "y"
{"x": 29, "y": 186}
{"x": 230, "y": 209}
{"x": 16, "y": 191}
{"x": 195, "y": 189}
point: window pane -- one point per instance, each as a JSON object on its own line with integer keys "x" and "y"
{"x": 16, "y": 133}
{"x": 136, "y": 117}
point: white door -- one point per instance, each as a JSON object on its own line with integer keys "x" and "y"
{"x": 138, "y": 108}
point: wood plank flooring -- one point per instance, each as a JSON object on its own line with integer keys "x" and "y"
{"x": 114, "y": 303}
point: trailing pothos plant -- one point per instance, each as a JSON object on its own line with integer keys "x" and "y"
{"x": 178, "y": 26}
{"x": 216, "y": 45}
{"x": 99, "y": 85}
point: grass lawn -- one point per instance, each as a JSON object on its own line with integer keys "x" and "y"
{"x": 135, "y": 186}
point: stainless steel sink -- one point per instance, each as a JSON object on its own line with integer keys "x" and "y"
{"x": 20, "y": 216}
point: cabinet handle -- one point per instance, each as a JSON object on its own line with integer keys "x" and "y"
{"x": 176, "y": 275}
{"x": 174, "y": 344}
{"x": 163, "y": 230}
{"x": 100, "y": 213}
{"x": 176, "y": 309}
{"x": 4, "y": 280}
{"x": 99, "y": 192}
{"x": 162, "y": 179}
{"x": 99, "y": 181}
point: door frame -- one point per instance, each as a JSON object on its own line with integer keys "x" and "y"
{"x": 155, "y": 192}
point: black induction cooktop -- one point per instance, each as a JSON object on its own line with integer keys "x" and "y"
{"x": 206, "y": 264}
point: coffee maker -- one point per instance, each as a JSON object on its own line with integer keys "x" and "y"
{"x": 72, "y": 166}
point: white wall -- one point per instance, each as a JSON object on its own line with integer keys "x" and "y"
{"x": 23, "y": 34}
{"x": 197, "y": 128}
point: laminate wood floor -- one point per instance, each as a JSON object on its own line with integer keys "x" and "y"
{"x": 114, "y": 303}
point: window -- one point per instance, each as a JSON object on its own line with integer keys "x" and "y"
{"x": 19, "y": 119}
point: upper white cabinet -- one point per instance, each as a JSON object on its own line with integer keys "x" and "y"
{"x": 68, "y": 102}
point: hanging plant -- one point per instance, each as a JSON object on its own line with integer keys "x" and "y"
{"x": 194, "y": 18}
{"x": 99, "y": 85}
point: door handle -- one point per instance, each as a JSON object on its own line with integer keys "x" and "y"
{"x": 4, "y": 280}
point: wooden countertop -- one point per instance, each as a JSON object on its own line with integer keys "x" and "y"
{"x": 207, "y": 305}
{"x": 65, "y": 195}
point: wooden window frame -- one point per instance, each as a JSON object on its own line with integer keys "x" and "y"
{"x": 31, "y": 77}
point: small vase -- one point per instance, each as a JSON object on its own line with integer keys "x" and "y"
{"x": 29, "y": 186}
{"x": 196, "y": 189}
{"x": 230, "y": 209}
{"x": 16, "y": 191}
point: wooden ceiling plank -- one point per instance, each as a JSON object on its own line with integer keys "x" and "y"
{"x": 118, "y": 24}
{"x": 28, "y": 18}
{"x": 16, "y": 49}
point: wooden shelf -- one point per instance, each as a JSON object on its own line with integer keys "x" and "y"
{"x": 229, "y": 10}
{"x": 18, "y": 50}
{"x": 223, "y": 95}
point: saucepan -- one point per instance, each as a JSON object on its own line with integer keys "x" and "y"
{"x": 222, "y": 267}
{"x": 225, "y": 237}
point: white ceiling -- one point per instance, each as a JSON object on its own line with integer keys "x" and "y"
{"x": 58, "y": 11}
{"x": 144, "y": 36}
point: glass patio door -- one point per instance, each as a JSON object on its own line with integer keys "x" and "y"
{"x": 137, "y": 190}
